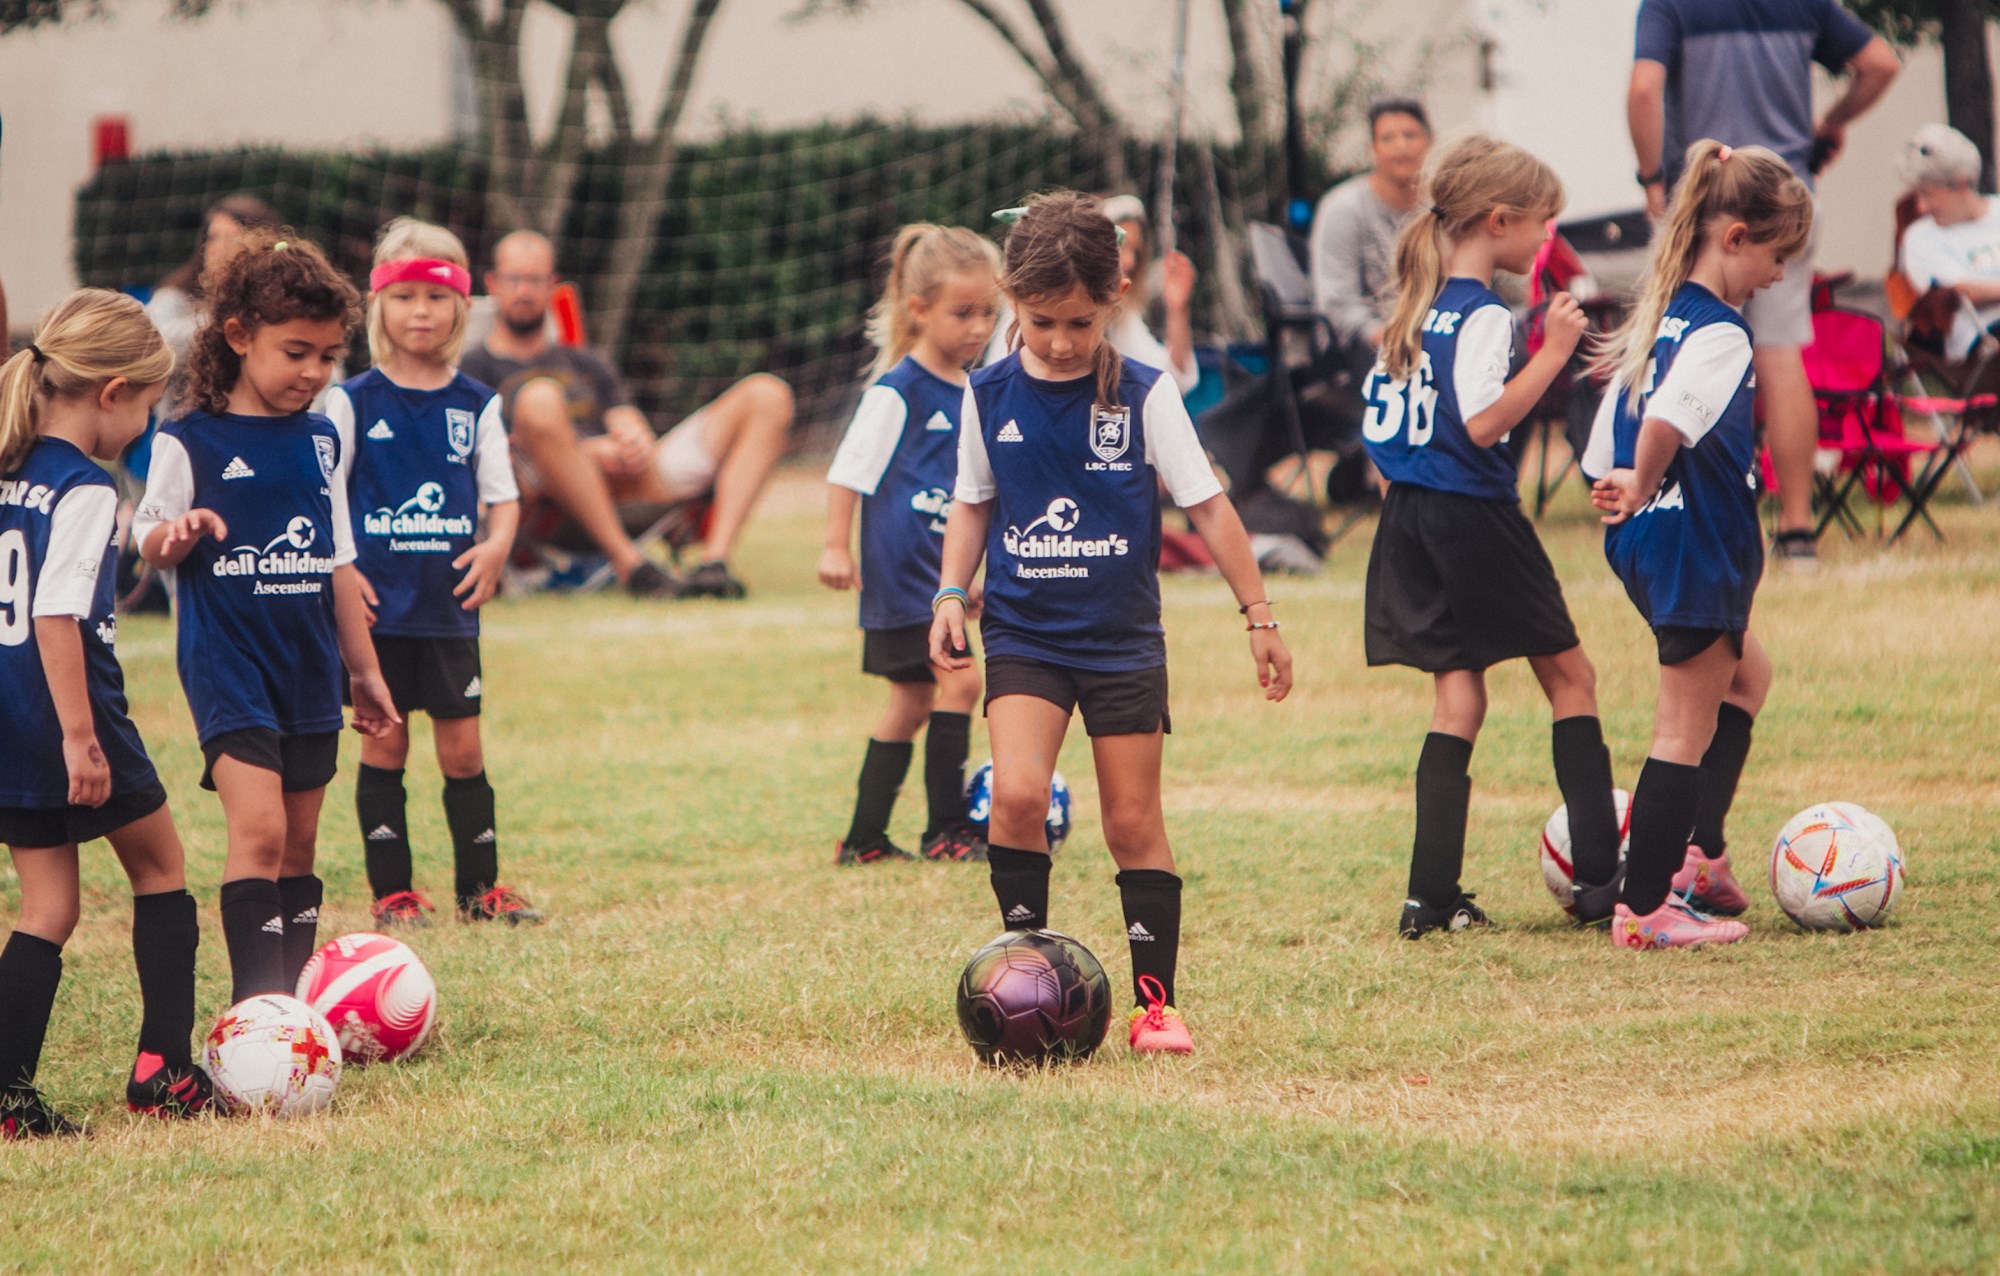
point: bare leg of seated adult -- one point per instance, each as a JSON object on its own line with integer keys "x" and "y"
{"x": 542, "y": 434}
{"x": 745, "y": 432}
{"x": 1791, "y": 431}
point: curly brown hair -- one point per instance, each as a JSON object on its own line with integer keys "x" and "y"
{"x": 1063, "y": 241}
{"x": 276, "y": 277}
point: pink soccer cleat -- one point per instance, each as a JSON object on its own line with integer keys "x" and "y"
{"x": 1158, "y": 1028}
{"x": 1709, "y": 885}
{"x": 1671, "y": 925}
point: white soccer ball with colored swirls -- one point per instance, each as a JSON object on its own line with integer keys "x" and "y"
{"x": 1831, "y": 869}
{"x": 273, "y": 1054}
{"x": 1559, "y": 865}
{"x": 979, "y": 804}
{"x": 375, "y": 992}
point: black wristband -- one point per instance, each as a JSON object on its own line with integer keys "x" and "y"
{"x": 1647, "y": 179}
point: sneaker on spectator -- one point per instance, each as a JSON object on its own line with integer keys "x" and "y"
{"x": 650, "y": 580}
{"x": 712, "y": 580}
{"x": 1797, "y": 549}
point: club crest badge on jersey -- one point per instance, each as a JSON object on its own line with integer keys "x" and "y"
{"x": 458, "y": 431}
{"x": 323, "y": 446}
{"x": 1110, "y": 431}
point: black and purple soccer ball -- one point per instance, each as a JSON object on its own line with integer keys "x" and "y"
{"x": 1034, "y": 996}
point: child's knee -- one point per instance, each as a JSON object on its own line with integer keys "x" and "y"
{"x": 1020, "y": 802}
{"x": 460, "y": 754}
{"x": 52, "y": 918}
{"x": 540, "y": 411}
{"x": 770, "y": 396}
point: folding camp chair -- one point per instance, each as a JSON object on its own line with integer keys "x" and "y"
{"x": 1860, "y": 420}
{"x": 1962, "y": 419}
{"x": 1286, "y": 295}
{"x": 549, "y": 539}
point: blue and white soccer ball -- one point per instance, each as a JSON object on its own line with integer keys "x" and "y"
{"x": 979, "y": 804}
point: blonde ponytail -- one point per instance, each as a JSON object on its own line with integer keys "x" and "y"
{"x": 921, "y": 258}
{"x": 92, "y": 337}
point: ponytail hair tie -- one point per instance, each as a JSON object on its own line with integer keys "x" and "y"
{"x": 1722, "y": 156}
{"x": 1437, "y": 212}
{"x": 36, "y": 351}
{"x": 281, "y": 245}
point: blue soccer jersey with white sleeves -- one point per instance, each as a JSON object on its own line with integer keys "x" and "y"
{"x": 59, "y": 557}
{"x": 423, "y": 462}
{"x": 1693, "y": 554}
{"x": 1073, "y": 550}
{"x": 257, "y": 646}
{"x": 1415, "y": 427}
{"x": 900, "y": 453}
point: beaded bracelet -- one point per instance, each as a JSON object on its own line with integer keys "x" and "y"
{"x": 950, "y": 591}
{"x": 1269, "y": 624}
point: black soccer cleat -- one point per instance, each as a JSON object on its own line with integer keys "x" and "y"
{"x": 1592, "y": 905}
{"x": 160, "y": 1091}
{"x": 650, "y": 580}
{"x": 501, "y": 904}
{"x": 25, "y": 1114}
{"x": 712, "y": 580}
{"x": 1419, "y": 918}
{"x": 956, "y": 843}
{"x": 882, "y": 851}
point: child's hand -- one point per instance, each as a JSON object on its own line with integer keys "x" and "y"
{"x": 1563, "y": 324}
{"x": 89, "y": 773}
{"x": 374, "y": 711}
{"x": 190, "y": 527}
{"x": 836, "y": 568}
{"x": 482, "y": 564}
{"x": 948, "y": 636}
{"x": 369, "y": 601}
{"x": 1176, "y": 280}
{"x": 1618, "y": 494}
{"x": 1274, "y": 663}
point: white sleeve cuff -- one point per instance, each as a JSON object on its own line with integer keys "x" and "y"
{"x": 493, "y": 461}
{"x": 1485, "y": 356}
{"x": 80, "y": 530}
{"x": 870, "y": 441}
{"x": 169, "y": 488}
{"x": 1173, "y": 449}
{"x": 975, "y": 468}
{"x": 1705, "y": 376}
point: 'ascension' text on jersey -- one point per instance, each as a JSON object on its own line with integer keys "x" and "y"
{"x": 1415, "y": 427}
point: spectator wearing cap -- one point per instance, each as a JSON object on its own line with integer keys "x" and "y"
{"x": 1355, "y": 225}
{"x": 1955, "y": 244}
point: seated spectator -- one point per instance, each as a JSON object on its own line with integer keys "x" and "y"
{"x": 1955, "y": 244}
{"x": 1354, "y": 230}
{"x": 176, "y": 307}
{"x": 578, "y": 440}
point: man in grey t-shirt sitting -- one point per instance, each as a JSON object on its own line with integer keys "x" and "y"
{"x": 1355, "y": 226}
{"x": 578, "y": 440}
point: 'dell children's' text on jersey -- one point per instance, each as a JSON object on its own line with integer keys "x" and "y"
{"x": 1693, "y": 554}
{"x": 422, "y": 462}
{"x": 1073, "y": 551}
{"x": 900, "y": 453}
{"x": 1415, "y": 428}
{"x": 257, "y": 645}
{"x": 59, "y": 557}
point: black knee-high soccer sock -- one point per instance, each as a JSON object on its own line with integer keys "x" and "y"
{"x": 30, "y": 969}
{"x": 1152, "y": 900}
{"x": 882, "y": 772}
{"x": 475, "y": 847}
{"x": 302, "y": 897}
{"x": 385, "y": 829}
{"x": 1444, "y": 795}
{"x": 946, "y": 742}
{"x": 1663, "y": 805}
{"x": 253, "y": 929}
{"x": 1583, "y": 773}
{"x": 165, "y": 933}
{"x": 1721, "y": 769}
{"x": 1021, "y": 885}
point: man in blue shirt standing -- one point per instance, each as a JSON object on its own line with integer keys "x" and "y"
{"x": 1740, "y": 71}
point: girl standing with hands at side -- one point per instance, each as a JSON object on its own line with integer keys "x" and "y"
{"x": 1062, "y": 449}
{"x": 73, "y": 768}
{"x": 1673, "y": 454}
{"x": 246, "y": 501}
{"x": 897, "y": 461}
{"x": 1457, "y": 579}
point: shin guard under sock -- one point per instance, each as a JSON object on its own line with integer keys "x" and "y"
{"x": 475, "y": 847}
{"x": 302, "y": 897}
{"x": 1444, "y": 796}
{"x": 253, "y": 929}
{"x": 1021, "y": 885}
{"x": 1721, "y": 770}
{"x": 165, "y": 934}
{"x": 1583, "y": 773}
{"x": 946, "y": 742}
{"x": 882, "y": 772}
{"x": 385, "y": 829}
{"x": 1152, "y": 900}
{"x": 1663, "y": 805}
{"x": 30, "y": 970}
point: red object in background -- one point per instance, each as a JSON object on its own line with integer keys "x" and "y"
{"x": 110, "y": 140}
{"x": 567, "y": 305}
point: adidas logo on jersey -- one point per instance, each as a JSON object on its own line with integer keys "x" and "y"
{"x": 1138, "y": 934}
{"x": 238, "y": 468}
{"x": 311, "y": 915}
{"x": 1010, "y": 432}
{"x": 1020, "y": 913}
{"x": 472, "y": 689}
{"x": 276, "y": 926}
{"x": 381, "y": 430}
{"x": 484, "y": 839}
{"x": 938, "y": 424}
{"x": 382, "y": 833}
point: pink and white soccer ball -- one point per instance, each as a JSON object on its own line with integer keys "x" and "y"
{"x": 375, "y": 992}
{"x": 1833, "y": 870}
{"x": 273, "y": 1054}
{"x": 1559, "y": 866}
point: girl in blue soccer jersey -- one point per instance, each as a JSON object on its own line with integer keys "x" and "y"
{"x": 898, "y": 460}
{"x": 1063, "y": 448}
{"x": 1673, "y": 452}
{"x": 1457, "y": 578}
{"x": 73, "y": 768}
{"x": 243, "y": 501}
{"x": 425, "y": 450}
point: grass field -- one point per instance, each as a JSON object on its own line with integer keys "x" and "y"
{"x": 724, "y": 1055}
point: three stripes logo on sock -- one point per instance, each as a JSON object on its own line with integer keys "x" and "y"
{"x": 1138, "y": 934}
{"x": 1020, "y": 913}
{"x": 382, "y": 833}
{"x": 276, "y": 926}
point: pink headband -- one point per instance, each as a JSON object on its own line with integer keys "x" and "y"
{"x": 421, "y": 270}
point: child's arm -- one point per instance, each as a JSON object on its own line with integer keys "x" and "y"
{"x": 1623, "y": 493}
{"x": 61, "y": 644}
{"x": 165, "y": 528}
{"x": 964, "y": 544}
{"x": 1215, "y": 521}
{"x": 484, "y": 563}
{"x": 836, "y": 558}
{"x": 1562, "y": 327}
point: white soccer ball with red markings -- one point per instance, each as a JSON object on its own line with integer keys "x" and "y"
{"x": 1559, "y": 865}
{"x": 375, "y": 992}
{"x": 273, "y": 1054}
{"x": 1832, "y": 869}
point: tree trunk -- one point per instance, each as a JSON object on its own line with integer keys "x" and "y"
{"x": 1068, "y": 81}
{"x": 1232, "y": 320}
{"x": 1968, "y": 77}
{"x": 503, "y": 111}
{"x": 553, "y": 182}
